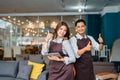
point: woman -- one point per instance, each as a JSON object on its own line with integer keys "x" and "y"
{"x": 82, "y": 45}
{"x": 60, "y": 68}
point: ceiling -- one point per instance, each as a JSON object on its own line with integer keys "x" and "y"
{"x": 20, "y": 10}
{"x": 47, "y": 6}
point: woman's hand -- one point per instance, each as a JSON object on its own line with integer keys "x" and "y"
{"x": 100, "y": 39}
{"x": 55, "y": 58}
{"x": 48, "y": 37}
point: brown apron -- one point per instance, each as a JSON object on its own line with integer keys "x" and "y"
{"x": 84, "y": 65}
{"x": 59, "y": 70}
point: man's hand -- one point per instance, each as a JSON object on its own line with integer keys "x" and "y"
{"x": 100, "y": 39}
{"x": 88, "y": 47}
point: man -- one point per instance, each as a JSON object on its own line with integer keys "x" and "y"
{"x": 82, "y": 45}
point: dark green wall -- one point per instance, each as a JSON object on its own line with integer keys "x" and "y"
{"x": 93, "y": 23}
{"x": 108, "y": 25}
{"x": 118, "y": 25}
{"x": 110, "y": 28}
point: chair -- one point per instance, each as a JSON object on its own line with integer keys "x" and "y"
{"x": 7, "y": 53}
{"x": 95, "y": 55}
{"x": 105, "y": 53}
{"x": 16, "y": 50}
{"x": 115, "y": 54}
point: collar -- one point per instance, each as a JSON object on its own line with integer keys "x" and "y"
{"x": 80, "y": 37}
{"x": 59, "y": 40}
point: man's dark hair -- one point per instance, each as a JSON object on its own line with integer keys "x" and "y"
{"x": 80, "y": 20}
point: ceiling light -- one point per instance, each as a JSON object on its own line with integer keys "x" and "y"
{"x": 18, "y": 20}
{"x": 11, "y": 30}
{"x": 22, "y": 22}
{"x": 79, "y": 10}
{"x": 37, "y": 21}
{"x": 8, "y": 16}
{"x": 14, "y": 19}
{"x": 27, "y": 20}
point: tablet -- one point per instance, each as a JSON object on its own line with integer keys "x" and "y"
{"x": 54, "y": 54}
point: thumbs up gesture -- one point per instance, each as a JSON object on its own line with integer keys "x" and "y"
{"x": 100, "y": 39}
{"x": 88, "y": 47}
{"x": 49, "y": 36}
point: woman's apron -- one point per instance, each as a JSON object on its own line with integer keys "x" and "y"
{"x": 59, "y": 70}
{"x": 84, "y": 65}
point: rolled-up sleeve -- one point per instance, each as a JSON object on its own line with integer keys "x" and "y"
{"x": 67, "y": 49}
{"x": 45, "y": 50}
{"x": 73, "y": 42}
{"x": 95, "y": 44}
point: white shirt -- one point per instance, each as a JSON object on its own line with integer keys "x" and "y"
{"x": 73, "y": 41}
{"x": 66, "y": 48}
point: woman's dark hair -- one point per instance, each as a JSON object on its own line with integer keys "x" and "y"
{"x": 58, "y": 26}
{"x": 80, "y": 20}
